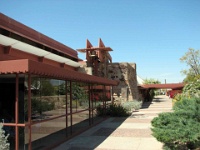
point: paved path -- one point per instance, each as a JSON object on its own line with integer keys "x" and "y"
{"x": 132, "y": 133}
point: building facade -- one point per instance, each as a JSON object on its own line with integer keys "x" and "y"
{"x": 44, "y": 100}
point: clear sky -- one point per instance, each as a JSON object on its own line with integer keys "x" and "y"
{"x": 152, "y": 33}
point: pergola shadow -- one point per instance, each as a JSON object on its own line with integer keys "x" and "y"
{"x": 146, "y": 105}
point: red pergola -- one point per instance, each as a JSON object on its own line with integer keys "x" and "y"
{"x": 163, "y": 86}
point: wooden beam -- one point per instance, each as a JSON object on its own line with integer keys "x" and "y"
{"x": 7, "y": 49}
{"x": 83, "y": 50}
{"x": 41, "y": 59}
{"x": 101, "y": 44}
{"x": 88, "y": 44}
{"x": 62, "y": 65}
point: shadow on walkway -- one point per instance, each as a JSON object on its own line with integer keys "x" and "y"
{"x": 156, "y": 99}
{"x": 91, "y": 139}
{"x": 116, "y": 133}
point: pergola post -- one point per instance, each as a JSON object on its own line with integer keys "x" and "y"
{"x": 89, "y": 98}
{"x": 17, "y": 111}
{"x": 111, "y": 95}
{"x": 29, "y": 111}
{"x": 92, "y": 98}
{"x": 66, "y": 109}
{"x": 70, "y": 84}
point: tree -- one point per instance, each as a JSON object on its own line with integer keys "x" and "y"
{"x": 192, "y": 59}
{"x": 78, "y": 91}
{"x": 191, "y": 78}
{"x": 191, "y": 89}
{"x": 151, "y": 81}
{"x": 47, "y": 89}
{"x": 151, "y": 93}
{"x": 4, "y": 145}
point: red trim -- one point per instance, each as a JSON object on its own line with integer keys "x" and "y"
{"x": 163, "y": 86}
{"x": 37, "y": 68}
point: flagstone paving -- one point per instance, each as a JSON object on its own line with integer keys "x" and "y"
{"x": 132, "y": 133}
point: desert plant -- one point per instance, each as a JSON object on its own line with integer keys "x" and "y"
{"x": 132, "y": 105}
{"x": 4, "y": 145}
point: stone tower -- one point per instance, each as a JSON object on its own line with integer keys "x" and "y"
{"x": 97, "y": 58}
{"x": 99, "y": 63}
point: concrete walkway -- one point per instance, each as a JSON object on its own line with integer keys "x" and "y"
{"x": 132, "y": 133}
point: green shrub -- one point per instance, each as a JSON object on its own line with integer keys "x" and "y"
{"x": 75, "y": 104}
{"x": 152, "y": 94}
{"x": 132, "y": 105}
{"x": 113, "y": 110}
{"x": 119, "y": 110}
{"x": 38, "y": 106}
{"x": 190, "y": 90}
{"x": 46, "y": 106}
{"x": 101, "y": 111}
{"x": 189, "y": 108}
{"x": 4, "y": 145}
{"x": 84, "y": 103}
{"x": 178, "y": 97}
{"x": 179, "y": 130}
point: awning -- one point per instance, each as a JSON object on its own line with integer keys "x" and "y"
{"x": 37, "y": 68}
{"x": 163, "y": 86}
{"x": 27, "y": 48}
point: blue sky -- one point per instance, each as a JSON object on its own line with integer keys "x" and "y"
{"x": 152, "y": 33}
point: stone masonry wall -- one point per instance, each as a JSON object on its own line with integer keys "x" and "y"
{"x": 126, "y": 74}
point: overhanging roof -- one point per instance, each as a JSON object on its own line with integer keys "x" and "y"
{"x": 163, "y": 86}
{"x": 37, "y": 68}
{"x": 22, "y": 30}
{"x": 7, "y": 41}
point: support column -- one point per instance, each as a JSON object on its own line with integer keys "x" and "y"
{"x": 92, "y": 100}
{"x": 17, "y": 112}
{"x": 104, "y": 102}
{"x": 29, "y": 111}
{"x": 70, "y": 107}
{"x": 111, "y": 95}
{"x": 89, "y": 98}
{"x": 104, "y": 89}
{"x": 66, "y": 109}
